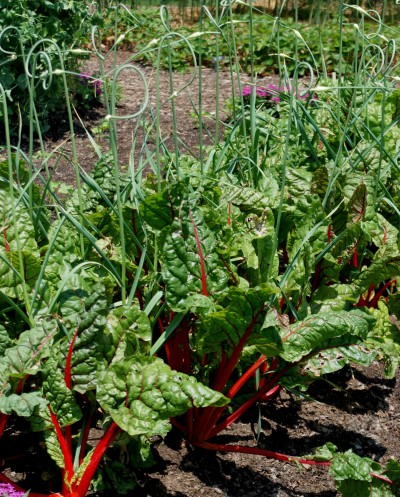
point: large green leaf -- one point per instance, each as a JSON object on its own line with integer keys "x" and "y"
{"x": 84, "y": 311}
{"x": 23, "y": 404}
{"x": 190, "y": 263}
{"x": 5, "y": 340}
{"x": 127, "y": 332}
{"x": 60, "y": 398}
{"x": 238, "y": 324}
{"x": 378, "y": 272}
{"x": 141, "y": 394}
{"x": 351, "y": 466}
{"x": 19, "y": 255}
{"x": 26, "y": 355}
{"x": 323, "y": 330}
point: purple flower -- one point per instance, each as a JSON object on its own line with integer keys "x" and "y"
{"x": 7, "y": 490}
{"x": 84, "y": 77}
{"x": 97, "y": 85}
{"x": 272, "y": 93}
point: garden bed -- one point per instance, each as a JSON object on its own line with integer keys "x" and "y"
{"x": 360, "y": 412}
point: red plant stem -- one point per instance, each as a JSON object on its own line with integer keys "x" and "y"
{"x": 109, "y": 436}
{"x": 202, "y": 263}
{"x": 67, "y": 454}
{"x": 189, "y": 423}
{"x": 68, "y": 383}
{"x": 248, "y": 374}
{"x": 266, "y": 390}
{"x": 211, "y": 414}
{"x": 385, "y": 479}
{"x": 229, "y": 213}
{"x": 184, "y": 341}
{"x": 180, "y": 426}
{"x": 223, "y": 378}
{"x": 3, "y": 422}
{"x": 355, "y": 258}
{"x": 379, "y": 294}
{"x": 260, "y": 452}
{"x": 329, "y": 233}
{"x": 67, "y": 373}
{"x": 271, "y": 393}
{"x": 317, "y": 275}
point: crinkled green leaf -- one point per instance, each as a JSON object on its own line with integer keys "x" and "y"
{"x": 22, "y": 405}
{"x": 320, "y": 331}
{"x": 127, "y": 332}
{"x": 190, "y": 263}
{"x": 84, "y": 311}
{"x": 379, "y": 271}
{"x": 238, "y": 324}
{"x": 354, "y": 476}
{"x": 251, "y": 200}
{"x": 384, "y": 339}
{"x": 331, "y": 360}
{"x": 15, "y": 224}
{"x": 5, "y": 340}
{"x": 392, "y": 471}
{"x": 141, "y": 394}
{"x": 157, "y": 210}
{"x": 60, "y": 398}
{"x": 350, "y": 466}
{"x": 53, "y": 448}
{"x": 335, "y": 297}
{"x": 65, "y": 253}
{"x": 32, "y": 346}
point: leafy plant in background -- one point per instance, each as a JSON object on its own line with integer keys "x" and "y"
{"x": 274, "y": 40}
{"x": 44, "y": 25}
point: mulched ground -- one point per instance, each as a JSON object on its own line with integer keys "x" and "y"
{"x": 358, "y": 409}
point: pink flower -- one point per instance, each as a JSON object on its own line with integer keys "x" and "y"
{"x": 260, "y": 92}
{"x": 7, "y": 490}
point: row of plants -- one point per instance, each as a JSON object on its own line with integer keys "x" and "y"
{"x": 324, "y": 46}
{"x": 185, "y": 289}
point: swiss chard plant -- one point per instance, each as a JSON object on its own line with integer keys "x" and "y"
{"x": 72, "y": 358}
{"x": 277, "y": 275}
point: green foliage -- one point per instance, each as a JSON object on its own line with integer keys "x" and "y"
{"x": 275, "y": 40}
{"x": 65, "y": 26}
{"x": 274, "y": 255}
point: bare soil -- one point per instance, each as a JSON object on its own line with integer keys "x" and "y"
{"x": 133, "y": 93}
{"x": 360, "y": 413}
{"x": 358, "y": 409}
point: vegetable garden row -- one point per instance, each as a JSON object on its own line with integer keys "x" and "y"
{"x": 193, "y": 284}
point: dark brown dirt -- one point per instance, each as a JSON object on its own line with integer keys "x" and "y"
{"x": 360, "y": 411}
